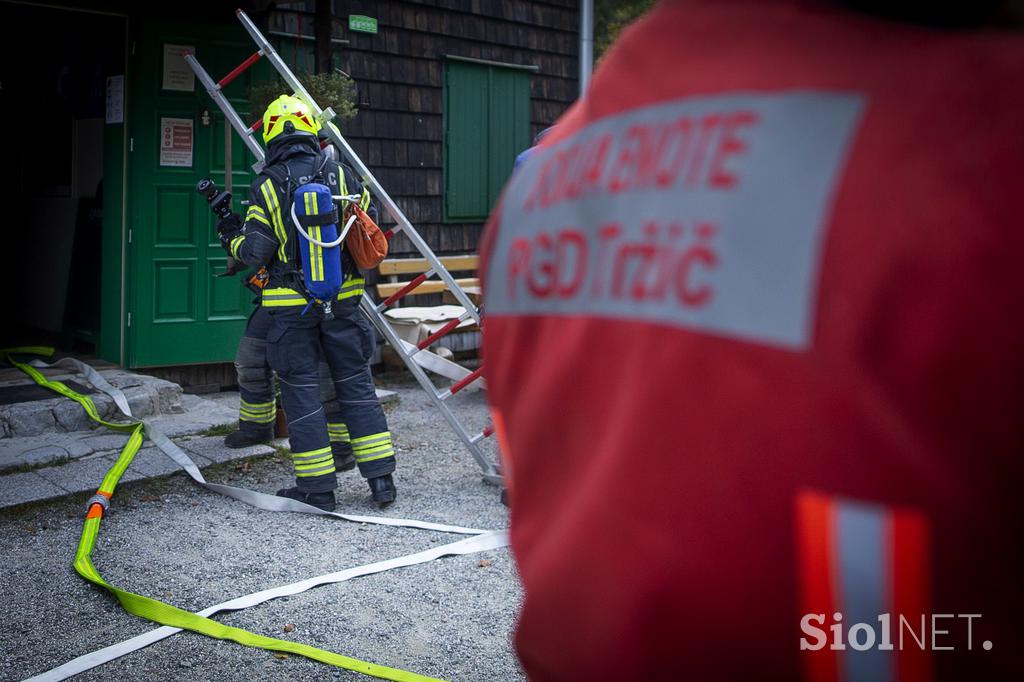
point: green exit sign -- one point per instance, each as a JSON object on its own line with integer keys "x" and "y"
{"x": 357, "y": 22}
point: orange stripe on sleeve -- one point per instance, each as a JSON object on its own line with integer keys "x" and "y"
{"x": 815, "y": 537}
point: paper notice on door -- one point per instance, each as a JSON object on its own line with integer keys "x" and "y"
{"x": 176, "y": 135}
{"x": 115, "y": 99}
{"x": 177, "y": 73}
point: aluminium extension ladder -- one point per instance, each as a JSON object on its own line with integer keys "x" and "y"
{"x": 416, "y": 358}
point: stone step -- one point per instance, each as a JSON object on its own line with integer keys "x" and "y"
{"x": 147, "y": 396}
{"x": 194, "y": 416}
{"x": 85, "y": 474}
{"x": 56, "y": 464}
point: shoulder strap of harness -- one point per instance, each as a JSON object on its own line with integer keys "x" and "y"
{"x": 280, "y": 175}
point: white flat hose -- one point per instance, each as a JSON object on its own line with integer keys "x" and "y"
{"x": 490, "y": 540}
{"x": 256, "y": 499}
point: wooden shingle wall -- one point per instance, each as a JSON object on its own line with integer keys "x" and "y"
{"x": 399, "y": 130}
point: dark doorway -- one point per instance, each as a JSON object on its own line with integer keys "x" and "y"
{"x": 54, "y": 70}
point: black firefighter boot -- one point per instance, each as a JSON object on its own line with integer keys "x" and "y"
{"x": 344, "y": 460}
{"x": 383, "y": 489}
{"x": 248, "y": 434}
{"x": 323, "y": 501}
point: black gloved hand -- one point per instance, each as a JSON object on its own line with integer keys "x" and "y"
{"x": 226, "y": 237}
{"x": 230, "y": 223}
{"x": 228, "y": 228}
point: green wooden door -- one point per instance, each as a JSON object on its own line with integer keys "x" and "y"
{"x": 181, "y": 313}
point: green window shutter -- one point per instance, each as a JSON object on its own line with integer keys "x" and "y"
{"x": 487, "y": 123}
{"x": 466, "y": 106}
{"x": 509, "y": 131}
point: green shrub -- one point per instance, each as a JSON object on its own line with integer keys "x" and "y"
{"x": 328, "y": 89}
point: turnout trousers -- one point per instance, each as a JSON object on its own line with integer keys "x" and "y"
{"x": 255, "y": 378}
{"x": 257, "y": 409}
{"x": 295, "y": 343}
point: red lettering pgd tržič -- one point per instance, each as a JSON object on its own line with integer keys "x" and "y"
{"x": 670, "y": 262}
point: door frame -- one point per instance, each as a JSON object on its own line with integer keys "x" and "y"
{"x": 112, "y": 343}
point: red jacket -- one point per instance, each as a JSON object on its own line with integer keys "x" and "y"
{"x": 756, "y": 353}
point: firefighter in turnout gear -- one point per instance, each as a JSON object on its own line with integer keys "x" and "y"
{"x": 302, "y": 327}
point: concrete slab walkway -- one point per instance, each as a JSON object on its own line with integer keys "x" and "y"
{"x": 55, "y": 462}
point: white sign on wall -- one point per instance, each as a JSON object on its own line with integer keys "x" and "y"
{"x": 115, "y": 99}
{"x": 176, "y": 137}
{"x": 177, "y": 73}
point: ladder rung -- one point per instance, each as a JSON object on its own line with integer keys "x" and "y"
{"x": 256, "y": 126}
{"x": 407, "y": 288}
{"x": 483, "y": 434}
{"x": 452, "y": 324}
{"x": 237, "y": 71}
{"x": 473, "y": 376}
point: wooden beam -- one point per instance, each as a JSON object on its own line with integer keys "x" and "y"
{"x": 385, "y": 289}
{"x": 407, "y": 266}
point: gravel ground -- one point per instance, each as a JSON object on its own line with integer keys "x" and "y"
{"x": 171, "y": 539}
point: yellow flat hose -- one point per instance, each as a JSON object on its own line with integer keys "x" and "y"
{"x": 152, "y": 609}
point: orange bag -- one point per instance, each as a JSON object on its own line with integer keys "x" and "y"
{"x": 364, "y": 241}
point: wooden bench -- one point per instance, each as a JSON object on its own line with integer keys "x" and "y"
{"x": 408, "y": 268}
{"x": 396, "y": 275}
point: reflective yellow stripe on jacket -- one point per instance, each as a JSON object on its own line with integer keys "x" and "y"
{"x": 353, "y": 286}
{"x": 274, "y": 206}
{"x": 256, "y": 213}
{"x": 236, "y": 243}
{"x": 282, "y": 296}
{"x": 278, "y": 297}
